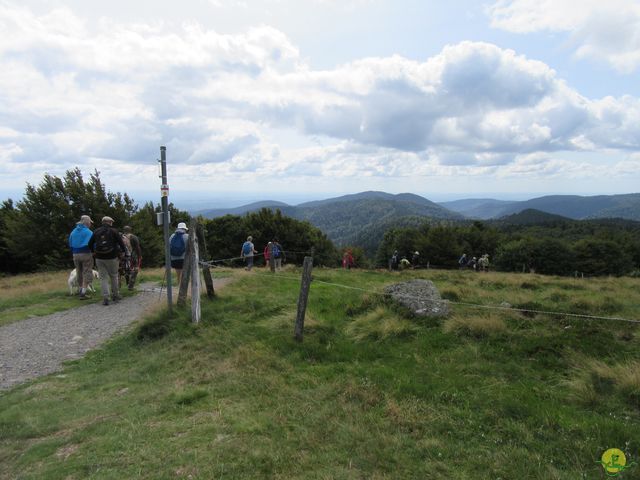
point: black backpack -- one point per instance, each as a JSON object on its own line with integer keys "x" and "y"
{"x": 105, "y": 244}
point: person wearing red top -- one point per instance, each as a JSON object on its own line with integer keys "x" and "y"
{"x": 267, "y": 255}
{"x": 347, "y": 260}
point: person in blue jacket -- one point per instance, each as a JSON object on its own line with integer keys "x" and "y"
{"x": 82, "y": 256}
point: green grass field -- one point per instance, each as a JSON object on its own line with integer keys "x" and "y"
{"x": 370, "y": 394}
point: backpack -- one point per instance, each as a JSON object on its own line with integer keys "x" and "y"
{"x": 276, "y": 251}
{"x": 105, "y": 243}
{"x": 177, "y": 246}
{"x": 246, "y": 248}
{"x": 127, "y": 245}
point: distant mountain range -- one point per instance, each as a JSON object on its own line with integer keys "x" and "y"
{"x": 344, "y": 219}
{"x": 358, "y": 218}
{"x": 571, "y": 206}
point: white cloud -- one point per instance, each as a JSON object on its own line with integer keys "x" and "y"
{"x": 110, "y": 96}
{"x": 604, "y": 30}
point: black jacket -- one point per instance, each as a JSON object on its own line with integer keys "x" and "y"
{"x": 118, "y": 244}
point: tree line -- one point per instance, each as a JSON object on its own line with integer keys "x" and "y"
{"x": 561, "y": 247}
{"x": 34, "y": 230}
{"x": 34, "y": 233}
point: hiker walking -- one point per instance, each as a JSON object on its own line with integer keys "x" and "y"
{"x": 178, "y": 242}
{"x": 393, "y": 261}
{"x": 415, "y": 259}
{"x": 347, "y": 260}
{"x": 136, "y": 256}
{"x": 267, "y": 254}
{"x": 107, "y": 246}
{"x": 247, "y": 252}
{"x": 483, "y": 263}
{"x": 82, "y": 258}
{"x": 463, "y": 261}
{"x": 278, "y": 254}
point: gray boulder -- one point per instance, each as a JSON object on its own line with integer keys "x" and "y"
{"x": 421, "y": 297}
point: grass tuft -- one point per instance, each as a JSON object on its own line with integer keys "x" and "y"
{"x": 594, "y": 380}
{"x": 380, "y": 324}
{"x": 190, "y": 397}
{"x": 475, "y": 326}
{"x": 154, "y": 328}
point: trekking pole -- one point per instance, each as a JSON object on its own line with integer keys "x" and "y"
{"x": 162, "y": 284}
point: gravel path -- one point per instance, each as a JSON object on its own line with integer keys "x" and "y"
{"x": 38, "y": 346}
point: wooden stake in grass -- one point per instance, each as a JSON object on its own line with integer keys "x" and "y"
{"x": 208, "y": 281}
{"x": 195, "y": 276}
{"x": 302, "y": 299}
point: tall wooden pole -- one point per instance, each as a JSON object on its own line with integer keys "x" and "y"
{"x": 304, "y": 296}
{"x": 164, "y": 191}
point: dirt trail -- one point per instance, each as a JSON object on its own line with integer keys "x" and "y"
{"x": 38, "y": 346}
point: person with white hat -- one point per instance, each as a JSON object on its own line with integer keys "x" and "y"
{"x": 82, "y": 258}
{"x": 178, "y": 248}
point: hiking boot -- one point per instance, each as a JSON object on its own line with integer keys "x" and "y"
{"x": 116, "y": 298}
{"x": 105, "y": 301}
{"x": 83, "y": 296}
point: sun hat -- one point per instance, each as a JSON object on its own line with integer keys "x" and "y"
{"x": 107, "y": 220}
{"x": 183, "y": 226}
{"x": 85, "y": 217}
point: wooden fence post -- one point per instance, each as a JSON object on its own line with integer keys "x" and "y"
{"x": 302, "y": 299}
{"x": 206, "y": 271}
{"x": 272, "y": 260}
{"x": 195, "y": 277}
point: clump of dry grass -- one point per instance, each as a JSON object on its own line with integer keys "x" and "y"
{"x": 593, "y": 378}
{"x": 475, "y": 326}
{"x": 379, "y": 324}
{"x": 33, "y": 283}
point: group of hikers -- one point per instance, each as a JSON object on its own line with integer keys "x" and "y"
{"x": 273, "y": 254}
{"x": 477, "y": 264}
{"x": 116, "y": 255}
{"x": 397, "y": 262}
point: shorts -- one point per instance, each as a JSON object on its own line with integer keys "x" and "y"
{"x": 178, "y": 263}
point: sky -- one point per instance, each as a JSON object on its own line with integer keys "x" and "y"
{"x": 295, "y": 100}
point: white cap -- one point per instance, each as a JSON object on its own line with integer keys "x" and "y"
{"x": 183, "y": 226}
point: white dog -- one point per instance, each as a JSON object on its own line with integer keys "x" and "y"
{"x": 73, "y": 281}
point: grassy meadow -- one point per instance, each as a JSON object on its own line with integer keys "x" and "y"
{"x": 371, "y": 393}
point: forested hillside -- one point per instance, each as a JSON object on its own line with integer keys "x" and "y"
{"x": 34, "y": 232}
{"x": 531, "y": 241}
{"x": 358, "y": 219}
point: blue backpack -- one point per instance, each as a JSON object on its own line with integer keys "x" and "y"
{"x": 246, "y": 248}
{"x": 276, "y": 251}
{"x": 177, "y": 246}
